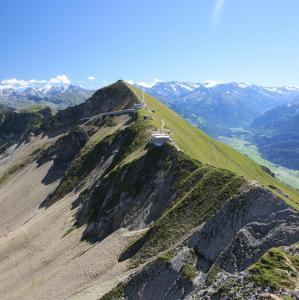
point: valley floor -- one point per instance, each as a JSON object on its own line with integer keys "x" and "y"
{"x": 288, "y": 176}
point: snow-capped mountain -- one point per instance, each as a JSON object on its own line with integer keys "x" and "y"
{"x": 169, "y": 91}
{"x": 59, "y": 96}
{"x": 217, "y": 106}
{"x": 180, "y": 88}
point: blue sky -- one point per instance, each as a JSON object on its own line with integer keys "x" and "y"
{"x": 253, "y": 41}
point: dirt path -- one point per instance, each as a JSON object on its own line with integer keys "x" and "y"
{"x": 162, "y": 125}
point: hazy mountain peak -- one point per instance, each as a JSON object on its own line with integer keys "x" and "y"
{"x": 212, "y": 83}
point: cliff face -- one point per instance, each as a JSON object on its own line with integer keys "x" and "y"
{"x": 162, "y": 279}
{"x": 245, "y": 228}
{"x": 94, "y": 194}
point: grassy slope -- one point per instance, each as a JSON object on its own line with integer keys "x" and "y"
{"x": 200, "y": 146}
{"x": 276, "y": 269}
{"x": 32, "y": 108}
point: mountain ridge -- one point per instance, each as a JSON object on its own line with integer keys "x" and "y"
{"x": 98, "y": 206}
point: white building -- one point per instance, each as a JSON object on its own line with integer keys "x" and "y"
{"x": 160, "y": 139}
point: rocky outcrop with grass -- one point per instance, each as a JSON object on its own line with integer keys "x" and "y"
{"x": 135, "y": 193}
{"x": 232, "y": 256}
{"x": 15, "y": 127}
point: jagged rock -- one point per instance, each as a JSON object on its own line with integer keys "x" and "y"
{"x": 162, "y": 279}
{"x": 256, "y": 238}
{"x": 245, "y": 228}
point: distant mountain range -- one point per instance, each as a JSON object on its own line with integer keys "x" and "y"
{"x": 216, "y": 107}
{"x": 57, "y": 97}
{"x": 276, "y": 135}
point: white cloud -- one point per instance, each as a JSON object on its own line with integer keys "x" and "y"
{"x": 60, "y": 79}
{"x": 91, "y": 78}
{"x": 149, "y": 84}
{"x": 21, "y": 83}
{"x": 217, "y": 11}
{"x": 130, "y": 82}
